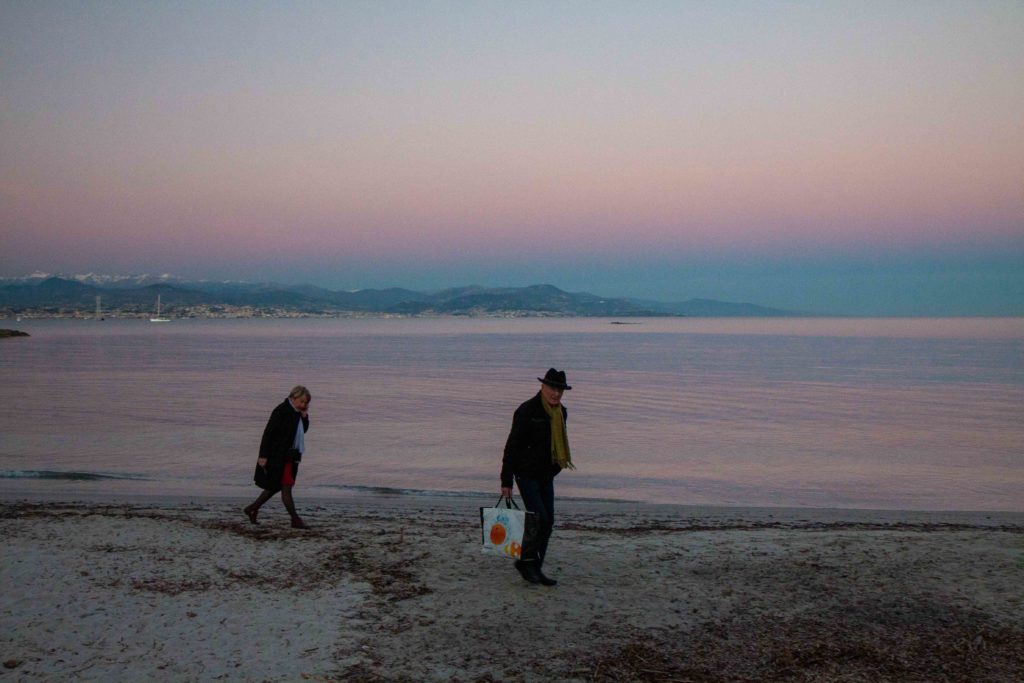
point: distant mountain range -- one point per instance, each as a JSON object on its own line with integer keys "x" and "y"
{"x": 45, "y": 293}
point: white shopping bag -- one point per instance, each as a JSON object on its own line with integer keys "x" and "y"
{"x": 503, "y": 529}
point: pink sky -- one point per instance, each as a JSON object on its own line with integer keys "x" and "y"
{"x": 434, "y": 139}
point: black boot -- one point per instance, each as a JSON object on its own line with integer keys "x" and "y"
{"x": 528, "y": 570}
{"x": 544, "y": 580}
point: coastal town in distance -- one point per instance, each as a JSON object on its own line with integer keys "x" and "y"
{"x": 100, "y": 297}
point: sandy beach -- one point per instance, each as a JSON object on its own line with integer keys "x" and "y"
{"x": 395, "y": 588}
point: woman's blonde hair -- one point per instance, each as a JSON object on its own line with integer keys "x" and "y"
{"x": 299, "y": 391}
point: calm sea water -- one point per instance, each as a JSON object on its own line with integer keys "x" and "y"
{"x": 911, "y": 414}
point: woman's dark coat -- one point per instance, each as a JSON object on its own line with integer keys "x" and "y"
{"x": 278, "y": 439}
{"x": 528, "y": 447}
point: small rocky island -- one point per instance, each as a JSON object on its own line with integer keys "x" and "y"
{"x": 12, "y": 333}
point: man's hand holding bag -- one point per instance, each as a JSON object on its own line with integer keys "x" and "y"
{"x": 506, "y": 530}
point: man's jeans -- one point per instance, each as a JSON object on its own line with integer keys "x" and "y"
{"x": 539, "y": 498}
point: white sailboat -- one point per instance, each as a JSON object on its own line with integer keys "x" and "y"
{"x": 158, "y": 319}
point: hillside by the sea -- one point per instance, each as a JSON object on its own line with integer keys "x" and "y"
{"x": 128, "y": 296}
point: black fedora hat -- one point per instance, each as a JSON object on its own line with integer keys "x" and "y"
{"x": 555, "y": 378}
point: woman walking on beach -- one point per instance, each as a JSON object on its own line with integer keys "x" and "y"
{"x": 537, "y": 449}
{"x": 281, "y": 450}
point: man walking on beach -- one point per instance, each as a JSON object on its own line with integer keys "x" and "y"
{"x": 536, "y": 450}
{"x": 281, "y": 450}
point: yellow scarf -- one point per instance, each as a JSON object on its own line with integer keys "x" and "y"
{"x": 559, "y": 439}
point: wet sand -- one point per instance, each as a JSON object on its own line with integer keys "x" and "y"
{"x": 395, "y": 588}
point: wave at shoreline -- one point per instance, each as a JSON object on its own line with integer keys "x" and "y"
{"x": 69, "y": 476}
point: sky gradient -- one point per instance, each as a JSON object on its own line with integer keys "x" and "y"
{"x": 840, "y": 157}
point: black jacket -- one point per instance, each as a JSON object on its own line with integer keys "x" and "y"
{"x": 279, "y": 434}
{"x": 528, "y": 447}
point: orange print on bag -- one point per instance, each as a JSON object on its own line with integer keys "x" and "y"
{"x": 497, "y": 534}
